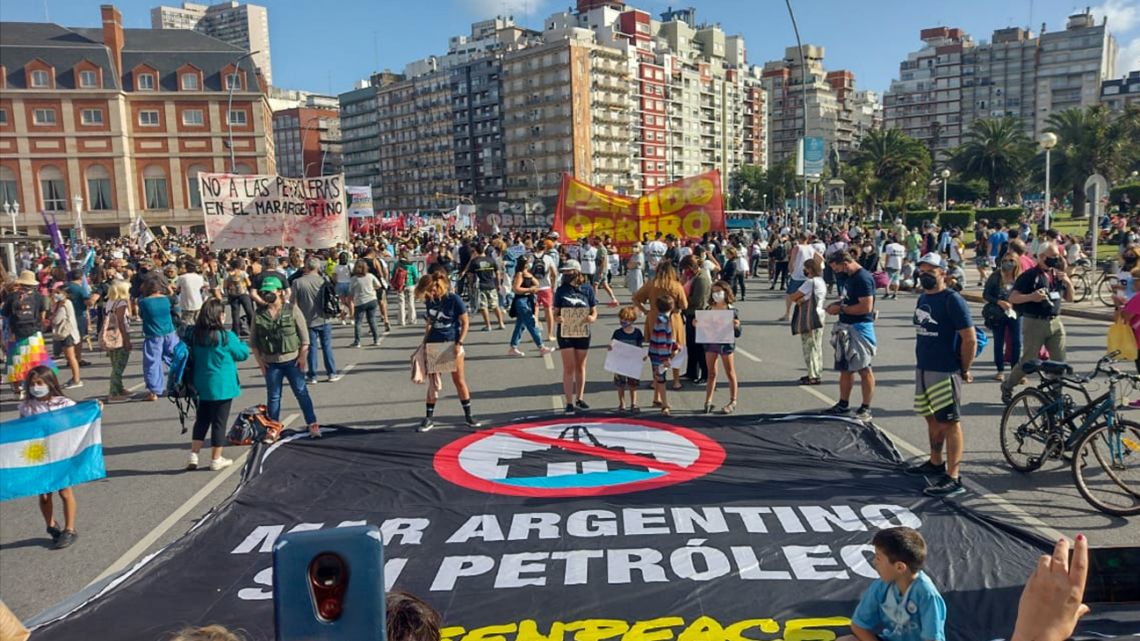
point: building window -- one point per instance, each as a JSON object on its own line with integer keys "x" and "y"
{"x": 98, "y": 188}
{"x": 88, "y": 79}
{"x": 154, "y": 188}
{"x": 192, "y": 186}
{"x": 52, "y": 189}
{"x": 237, "y": 117}
{"x": 8, "y": 186}
{"x": 190, "y": 82}
{"x": 43, "y": 116}
{"x": 92, "y": 116}
{"x": 148, "y": 118}
{"x": 233, "y": 82}
{"x": 3, "y": 116}
{"x": 40, "y": 78}
{"x": 192, "y": 118}
{"x": 146, "y": 82}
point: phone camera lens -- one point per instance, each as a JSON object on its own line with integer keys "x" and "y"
{"x": 327, "y": 570}
{"x": 329, "y": 609}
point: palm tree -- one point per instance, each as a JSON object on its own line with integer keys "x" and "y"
{"x": 893, "y": 159}
{"x": 1090, "y": 141}
{"x": 997, "y": 151}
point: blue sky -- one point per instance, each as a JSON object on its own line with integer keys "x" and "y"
{"x": 327, "y": 46}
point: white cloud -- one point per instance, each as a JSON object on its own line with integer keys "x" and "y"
{"x": 1122, "y": 15}
{"x": 1128, "y": 57}
{"x": 518, "y": 8}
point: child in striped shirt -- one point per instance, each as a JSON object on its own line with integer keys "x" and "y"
{"x": 662, "y": 348}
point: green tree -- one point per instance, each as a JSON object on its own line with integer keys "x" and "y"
{"x": 997, "y": 151}
{"x": 893, "y": 160}
{"x": 1091, "y": 141}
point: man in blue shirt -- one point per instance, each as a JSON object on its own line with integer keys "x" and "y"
{"x": 902, "y": 604}
{"x": 944, "y": 350}
{"x": 997, "y": 240}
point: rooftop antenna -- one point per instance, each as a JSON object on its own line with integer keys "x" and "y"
{"x": 1029, "y": 25}
{"x": 47, "y": 16}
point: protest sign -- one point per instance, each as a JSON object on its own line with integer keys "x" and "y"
{"x": 359, "y": 201}
{"x": 625, "y": 359}
{"x": 266, "y": 210}
{"x": 688, "y": 209}
{"x": 574, "y": 322}
{"x": 714, "y": 326}
{"x": 680, "y": 360}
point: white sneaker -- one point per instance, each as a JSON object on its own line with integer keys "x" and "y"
{"x": 514, "y": 351}
{"x": 546, "y": 349}
{"x": 220, "y": 463}
{"x": 72, "y": 384}
{"x": 334, "y": 378}
{"x": 193, "y": 463}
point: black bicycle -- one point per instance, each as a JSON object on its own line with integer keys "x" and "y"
{"x": 1045, "y": 422}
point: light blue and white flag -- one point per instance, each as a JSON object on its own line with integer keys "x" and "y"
{"x": 51, "y": 451}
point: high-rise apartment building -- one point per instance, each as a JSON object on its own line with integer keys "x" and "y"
{"x": 242, "y": 25}
{"x": 950, "y": 83}
{"x": 999, "y": 78}
{"x": 603, "y": 92}
{"x": 1072, "y": 65}
{"x": 925, "y": 101}
{"x": 122, "y": 121}
{"x": 835, "y": 111}
{"x": 307, "y": 141}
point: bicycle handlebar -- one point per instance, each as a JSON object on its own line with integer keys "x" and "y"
{"x": 1102, "y": 366}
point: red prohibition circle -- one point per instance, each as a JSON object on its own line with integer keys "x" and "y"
{"x": 446, "y": 462}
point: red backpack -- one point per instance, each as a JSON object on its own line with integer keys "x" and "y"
{"x": 399, "y": 278}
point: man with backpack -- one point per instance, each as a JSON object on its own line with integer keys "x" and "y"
{"x": 315, "y": 297}
{"x": 24, "y": 312}
{"x": 945, "y": 346}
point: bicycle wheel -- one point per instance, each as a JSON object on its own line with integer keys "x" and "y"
{"x": 1027, "y": 424}
{"x": 1081, "y": 287}
{"x": 1106, "y": 290}
{"x": 1106, "y": 468}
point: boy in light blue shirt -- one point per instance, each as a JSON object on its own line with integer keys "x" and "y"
{"x": 902, "y": 604}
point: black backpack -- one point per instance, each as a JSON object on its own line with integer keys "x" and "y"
{"x": 330, "y": 302}
{"x": 25, "y": 320}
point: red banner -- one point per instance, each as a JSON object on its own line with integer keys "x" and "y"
{"x": 687, "y": 208}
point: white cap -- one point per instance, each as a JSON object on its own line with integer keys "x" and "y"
{"x": 934, "y": 259}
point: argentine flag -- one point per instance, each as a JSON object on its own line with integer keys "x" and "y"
{"x": 47, "y": 452}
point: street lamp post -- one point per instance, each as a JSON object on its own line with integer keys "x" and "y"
{"x": 230, "y": 106}
{"x": 945, "y": 181}
{"x": 1048, "y": 140}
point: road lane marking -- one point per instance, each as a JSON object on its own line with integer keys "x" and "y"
{"x": 137, "y": 549}
{"x": 1012, "y": 511}
{"x": 548, "y": 361}
{"x": 556, "y": 401}
{"x": 347, "y": 369}
{"x": 136, "y": 387}
{"x": 751, "y": 357}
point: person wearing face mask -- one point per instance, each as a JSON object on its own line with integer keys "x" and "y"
{"x": 447, "y": 326}
{"x": 1037, "y": 296}
{"x": 24, "y": 315}
{"x": 998, "y": 313}
{"x": 43, "y": 394}
{"x": 1125, "y": 285}
{"x": 721, "y": 299}
{"x": 944, "y": 349}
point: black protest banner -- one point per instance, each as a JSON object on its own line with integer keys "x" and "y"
{"x": 587, "y": 529}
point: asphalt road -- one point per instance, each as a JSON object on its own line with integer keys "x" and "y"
{"x": 147, "y": 500}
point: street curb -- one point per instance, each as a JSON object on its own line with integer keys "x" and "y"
{"x": 1107, "y": 317}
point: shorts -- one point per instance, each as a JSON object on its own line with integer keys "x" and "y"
{"x": 61, "y": 343}
{"x": 660, "y": 372}
{"x": 625, "y": 382}
{"x": 573, "y": 343}
{"x": 719, "y": 348}
{"x": 938, "y": 394}
{"x": 488, "y": 300}
{"x": 794, "y": 286}
{"x": 544, "y": 298}
{"x": 342, "y": 289}
{"x": 598, "y": 279}
{"x": 991, "y": 261}
{"x": 893, "y": 276}
{"x": 981, "y": 260}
